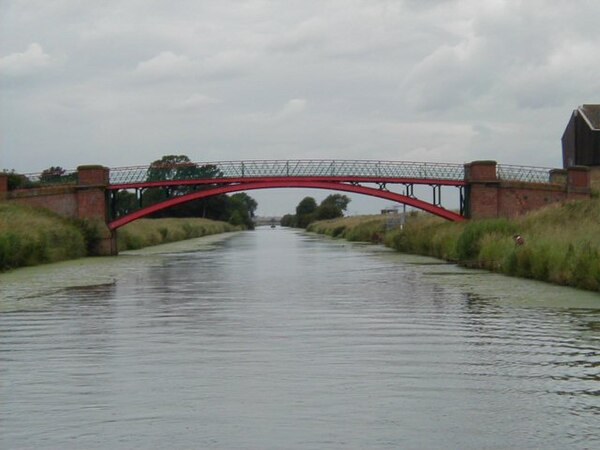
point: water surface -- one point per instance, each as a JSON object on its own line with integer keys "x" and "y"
{"x": 277, "y": 339}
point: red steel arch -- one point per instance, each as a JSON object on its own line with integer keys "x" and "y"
{"x": 283, "y": 183}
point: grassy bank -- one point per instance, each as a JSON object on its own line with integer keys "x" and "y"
{"x": 147, "y": 232}
{"x": 355, "y": 228}
{"x": 31, "y": 236}
{"x": 561, "y": 241}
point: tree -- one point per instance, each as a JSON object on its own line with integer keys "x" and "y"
{"x": 339, "y": 201}
{"x": 180, "y": 167}
{"x": 307, "y": 210}
{"x": 241, "y": 207}
{"x": 237, "y": 209}
{"x": 327, "y": 211}
{"x": 168, "y": 167}
{"x": 306, "y": 206}
{"x": 53, "y": 175}
{"x": 304, "y": 211}
{"x": 331, "y": 207}
{"x": 288, "y": 220}
{"x": 17, "y": 180}
{"x": 247, "y": 202}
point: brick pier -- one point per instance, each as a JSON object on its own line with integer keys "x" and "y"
{"x": 488, "y": 196}
{"x": 85, "y": 200}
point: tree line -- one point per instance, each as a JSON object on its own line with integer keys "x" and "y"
{"x": 51, "y": 175}
{"x": 308, "y": 211}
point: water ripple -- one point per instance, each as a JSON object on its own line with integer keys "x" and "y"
{"x": 276, "y": 339}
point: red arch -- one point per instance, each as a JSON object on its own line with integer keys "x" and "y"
{"x": 437, "y": 210}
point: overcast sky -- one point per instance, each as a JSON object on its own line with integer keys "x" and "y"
{"x": 124, "y": 82}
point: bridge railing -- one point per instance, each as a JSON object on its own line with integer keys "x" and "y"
{"x": 291, "y": 168}
{"x": 527, "y": 174}
{"x": 298, "y": 168}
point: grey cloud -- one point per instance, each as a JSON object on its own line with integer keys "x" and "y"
{"x": 124, "y": 82}
{"x": 29, "y": 62}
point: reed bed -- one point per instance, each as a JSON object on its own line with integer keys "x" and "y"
{"x": 30, "y": 236}
{"x": 148, "y": 232}
{"x": 561, "y": 243}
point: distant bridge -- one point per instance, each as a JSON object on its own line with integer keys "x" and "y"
{"x": 484, "y": 188}
{"x": 372, "y": 178}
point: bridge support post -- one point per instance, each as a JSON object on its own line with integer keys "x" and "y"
{"x": 92, "y": 205}
{"x": 482, "y": 190}
{"x": 3, "y": 186}
{"x": 578, "y": 182}
{"x": 558, "y": 176}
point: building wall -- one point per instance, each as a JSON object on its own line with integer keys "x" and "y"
{"x": 580, "y": 143}
{"x": 568, "y": 142}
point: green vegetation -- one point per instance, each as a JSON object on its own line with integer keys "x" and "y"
{"x": 30, "y": 236}
{"x": 237, "y": 209}
{"x": 147, "y": 232}
{"x": 307, "y": 211}
{"x": 355, "y": 228}
{"x": 561, "y": 242}
{"x": 51, "y": 175}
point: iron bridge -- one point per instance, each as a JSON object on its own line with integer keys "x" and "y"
{"x": 374, "y": 178}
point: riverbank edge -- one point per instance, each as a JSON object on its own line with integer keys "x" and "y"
{"x": 559, "y": 244}
{"x": 32, "y": 236}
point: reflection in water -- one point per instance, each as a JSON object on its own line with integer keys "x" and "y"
{"x": 278, "y": 339}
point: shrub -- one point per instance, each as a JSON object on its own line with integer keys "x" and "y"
{"x": 468, "y": 244}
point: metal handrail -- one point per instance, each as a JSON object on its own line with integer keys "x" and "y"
{"x": 528, "y": 174}
{"x": 299, "y": 168}
{"x": 308, "y": 167}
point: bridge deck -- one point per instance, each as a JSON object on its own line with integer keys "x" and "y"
{"x": 350, "y": 170}
{"x": 341, "y": 170}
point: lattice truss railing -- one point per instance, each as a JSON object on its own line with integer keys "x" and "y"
{"x": 525, "y": 174}
{"x": 300, "y": 168}
{"x": 295, "y": 168}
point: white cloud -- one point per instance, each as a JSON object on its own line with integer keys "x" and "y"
{"x": 292, "y": 108}
{"x": 29, "y": 62}
{"x": 195, "y": 102}
{"x": 449, "y": 76}
{"x": 166, "y": 65}
{"x": 169, "y": 65}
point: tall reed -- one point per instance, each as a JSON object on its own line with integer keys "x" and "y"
{"x": 30, "y": 236}
{"x": 147, "y": 232}
{"x": 561, "y": 242}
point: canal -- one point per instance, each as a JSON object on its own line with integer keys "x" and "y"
{"x": 278, "y": 339}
